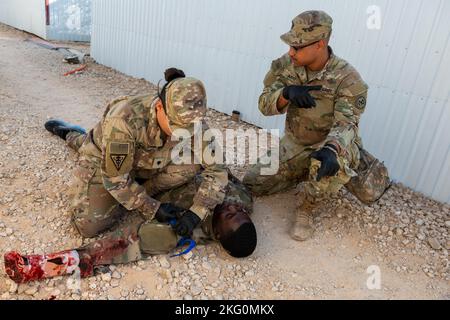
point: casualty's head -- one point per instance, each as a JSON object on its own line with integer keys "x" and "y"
{"x": 184, "y": 99}
{"x": 234, "y": 229}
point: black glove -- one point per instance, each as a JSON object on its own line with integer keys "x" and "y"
{"x": 187, "y": 223}
{"x": 167, "y": 212}
{"x": 330, "y": 166}
{"x": 299, "y": 96}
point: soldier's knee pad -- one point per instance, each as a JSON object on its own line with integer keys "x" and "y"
{"x": 157, "y": 238}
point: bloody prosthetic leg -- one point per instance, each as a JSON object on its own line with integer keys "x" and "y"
{"x": 23, "y": 269}
{"x": 119, "y": 247}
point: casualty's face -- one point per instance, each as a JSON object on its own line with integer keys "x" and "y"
{"x": 230, "y": 219}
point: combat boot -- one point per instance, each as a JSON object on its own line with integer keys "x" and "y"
{"x": 61, "y": 128}
{"x": 303, "y": 228}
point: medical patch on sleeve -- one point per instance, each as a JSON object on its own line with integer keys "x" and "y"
{"x": 119, "y": 159}
{"x": 119, "y": 153}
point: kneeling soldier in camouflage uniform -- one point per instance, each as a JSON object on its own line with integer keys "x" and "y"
{"x": 125, "y": 164}
{"x": 125, "y": 160}
{"x": 324, "y": 97}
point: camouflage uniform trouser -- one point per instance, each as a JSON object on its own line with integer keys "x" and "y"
{"x": 296, "y": 165}
{"x": 95, "y": 210}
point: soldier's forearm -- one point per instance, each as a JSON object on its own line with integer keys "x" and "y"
{"x": 272, "y": 103}
{"x": 131, "y": 195}
{"x": 342, "y": 137}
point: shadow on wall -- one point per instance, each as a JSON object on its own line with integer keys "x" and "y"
{"x": 69, "y": 20}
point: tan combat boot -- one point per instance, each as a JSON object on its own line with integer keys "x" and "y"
{"x": 303, "y": 229}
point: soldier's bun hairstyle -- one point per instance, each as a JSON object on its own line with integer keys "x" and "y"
{"x": 242, "y": 242}
{"x": 173, "y": 74}
{"x": 170, "y": 75}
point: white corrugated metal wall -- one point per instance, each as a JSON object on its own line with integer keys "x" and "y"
{"x": 230, "y": 44}
{"x": 28, "y": 15}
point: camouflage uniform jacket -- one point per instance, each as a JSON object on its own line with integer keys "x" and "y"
{"x": 340, "y": 103}
{"x": 133, "y": 145}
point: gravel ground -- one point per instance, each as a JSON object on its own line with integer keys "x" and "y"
{"x": 405, "y": 234}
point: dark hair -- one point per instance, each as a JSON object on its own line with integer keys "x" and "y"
{"x": 242, "y": 242}
{"x": 173, "y": 73}
{"x": 170, "y": 75}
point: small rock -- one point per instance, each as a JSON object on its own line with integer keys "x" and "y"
{"x": 206, "y": 265}
{"x": 421, "y": 236}
{"x": 140, "y": 292}
{"x": 114, "y": 283}
{"x": 188, "y": 256}
{"x": 56, "y": 292}
{"x": 164, "y": 262}
{"x": 434, "y": 243}
{"x": 116, "y": 275}
{"x": 447, "y": 224}
{"x": 196, "y": 290}
{"x": 6, "y": 296}
{"x": 31, "y": 291}
{"x": 9, "y": 232}
{"x": 242, "y": 287}
{"x": 250, "y": 273}
{"x": 167, "y": 274}
{"x": 187, "y": 297}
{"x": 75, "y": 296}
{"x": 13, "y": 287}
{"x": 106, "y": 277}
{"x": 384, "y": 229}
{"x": 141, "y": 263}
{"x": 124, "y": 293}
{"x": 420, "y": 222}
{"x": 93, "y": 286}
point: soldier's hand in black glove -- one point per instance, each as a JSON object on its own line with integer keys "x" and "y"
{"x": 187, "y": 223}
{"x": 330, "y": 166}
{"x": 167, "y": 212}
{"x": 299, "y": 95}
